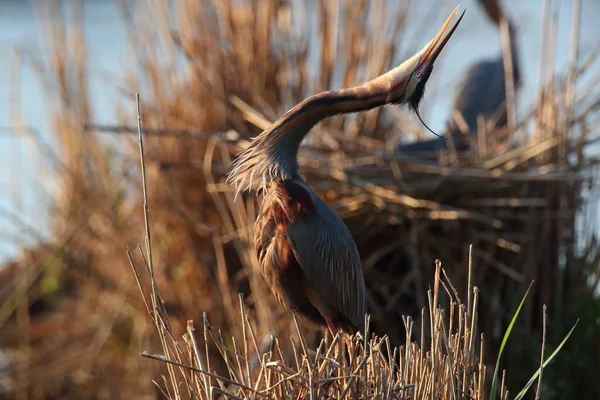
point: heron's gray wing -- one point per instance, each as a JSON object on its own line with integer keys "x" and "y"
{"x": 482, "y": 92}
{"x": 329, "y": 258}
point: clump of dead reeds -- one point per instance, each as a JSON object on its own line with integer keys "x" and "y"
{"x": 214, "y": 74}
{"x": 451, "y": 367}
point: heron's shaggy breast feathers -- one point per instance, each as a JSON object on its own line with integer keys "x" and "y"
{"x": 293, "y": 218}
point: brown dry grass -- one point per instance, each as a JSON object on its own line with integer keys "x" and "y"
{"x": 213, "y": 74}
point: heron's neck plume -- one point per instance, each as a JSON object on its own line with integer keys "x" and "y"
{"x": 272, "y": 155}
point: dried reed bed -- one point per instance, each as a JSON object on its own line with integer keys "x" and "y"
{"x": 451, "y": 367}
{"x": 213, "y": 74}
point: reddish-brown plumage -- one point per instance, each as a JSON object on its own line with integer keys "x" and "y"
{"x": 283, "y": 203}
{"x": 307, "y": 254}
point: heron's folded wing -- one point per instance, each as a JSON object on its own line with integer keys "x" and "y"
{"x": 332, "y": 265}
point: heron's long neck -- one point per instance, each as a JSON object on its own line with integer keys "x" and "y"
{"x": 273, "y": 154}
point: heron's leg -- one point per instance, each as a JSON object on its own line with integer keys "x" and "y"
{"x": 330, "y": 326}
{"x": 334, "y": 332}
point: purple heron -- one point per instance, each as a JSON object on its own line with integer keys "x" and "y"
{"x": 307, "y": 255}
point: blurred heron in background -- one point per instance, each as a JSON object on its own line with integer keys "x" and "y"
{"x": 306, "y": 253}
{"x": 482, "y": 94}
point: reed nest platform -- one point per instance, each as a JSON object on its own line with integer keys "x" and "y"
{"x": 214, "y": 74}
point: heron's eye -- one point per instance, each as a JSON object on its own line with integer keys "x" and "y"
{"x": 418, "y": 75}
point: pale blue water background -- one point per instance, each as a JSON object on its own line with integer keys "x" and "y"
{"x": 23, "y": 182}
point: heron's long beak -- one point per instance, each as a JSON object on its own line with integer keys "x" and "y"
{"x": 437, "y": 44}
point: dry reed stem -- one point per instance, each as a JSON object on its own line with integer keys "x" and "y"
{"x": 538, "y": 391}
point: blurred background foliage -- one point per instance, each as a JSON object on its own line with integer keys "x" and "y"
{"x": 213, "y": 74}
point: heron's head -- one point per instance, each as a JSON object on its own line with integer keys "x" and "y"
{"x": 407, "y": 81}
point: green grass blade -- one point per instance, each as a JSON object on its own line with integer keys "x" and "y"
{"x": 534, "y": 377}
{"x": 494, "y": 387}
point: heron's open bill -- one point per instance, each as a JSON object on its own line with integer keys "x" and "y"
{"x": 484, "y": 92}
{"x": 306, "y": 253}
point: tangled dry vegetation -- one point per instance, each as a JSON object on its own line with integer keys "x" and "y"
{"x": 212, "y": 75}
{"x": 451, "y": 367}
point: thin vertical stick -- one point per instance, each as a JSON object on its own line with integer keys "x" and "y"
{"x": 245, "y": 337}
{"x": 155, "y": 296}
{"x": 538, "y": 391}
{"x": 502, "y": 385}
{"x": 509, "y": 78}
{"x": 432, "y": 343}
{"x": 542, "y": 75}
{"x": 473, "y": 318}
{"x": 550, "y": 106}
{"x": 144, "y": 186}
{"x": 481, "y": 367}
{"x": 570, "y": 84}
{"x": 196, "y": 350}
{"x": 469, "y": 298}
{"x": 434, "y": 325}
{"x": 206, "y": 327}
